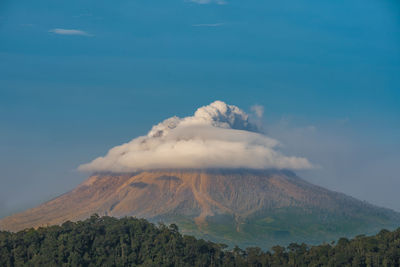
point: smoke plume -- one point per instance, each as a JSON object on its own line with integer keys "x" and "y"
{"x": 216, "y": 136}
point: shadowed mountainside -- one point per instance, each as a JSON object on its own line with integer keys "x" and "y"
{"x": 245, "y": 207}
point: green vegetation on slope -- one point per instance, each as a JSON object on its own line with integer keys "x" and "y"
{"x": 284, "y": 226}
{"x": 108, "y": 241}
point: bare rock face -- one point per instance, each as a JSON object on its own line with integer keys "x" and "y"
{"x": 244, "y": 207}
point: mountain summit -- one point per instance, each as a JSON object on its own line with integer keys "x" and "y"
{"x": 234, "y": 206}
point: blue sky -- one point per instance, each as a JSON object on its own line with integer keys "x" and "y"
{"x": 326, "y": 72}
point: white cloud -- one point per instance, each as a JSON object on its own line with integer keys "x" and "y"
{"x": 70, "y": 32}
{"x": 216, "y": 136}
{"x": 203, "y": 2}
{"x": 258, "y": 110}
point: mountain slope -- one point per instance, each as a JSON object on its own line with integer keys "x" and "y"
{"x": 244, "y": 207}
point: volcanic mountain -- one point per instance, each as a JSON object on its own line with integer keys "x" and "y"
{"x": 235, "y": 206}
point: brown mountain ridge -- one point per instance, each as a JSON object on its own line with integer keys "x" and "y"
{"x": 245, "y": 207}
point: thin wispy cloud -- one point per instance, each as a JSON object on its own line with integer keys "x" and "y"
{"x": 69, "y": 32}
{"x": 208, "y": 25}
{"x": 83, "y": 15}
{"x": 203, "y": 2}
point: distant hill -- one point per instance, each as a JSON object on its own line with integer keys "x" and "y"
{"x": 244, "y": 207}
{"x": 108, "y": 241}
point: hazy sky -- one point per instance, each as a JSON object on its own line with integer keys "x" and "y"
{"x": 80, "y": 77}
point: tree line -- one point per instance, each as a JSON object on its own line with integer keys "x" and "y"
{"x": 107, "y": 241}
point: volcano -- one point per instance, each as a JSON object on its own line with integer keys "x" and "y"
{"x": 234, "y": 206}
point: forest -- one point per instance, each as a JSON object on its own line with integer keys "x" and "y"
{"x": 107, "y": 241}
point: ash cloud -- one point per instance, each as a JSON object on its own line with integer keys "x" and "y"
{"x": 216, "y": 136}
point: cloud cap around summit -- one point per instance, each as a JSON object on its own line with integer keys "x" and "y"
{"x": 216, "y": 136}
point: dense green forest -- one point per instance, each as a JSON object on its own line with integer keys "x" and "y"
{"x": 107, "y": 241}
